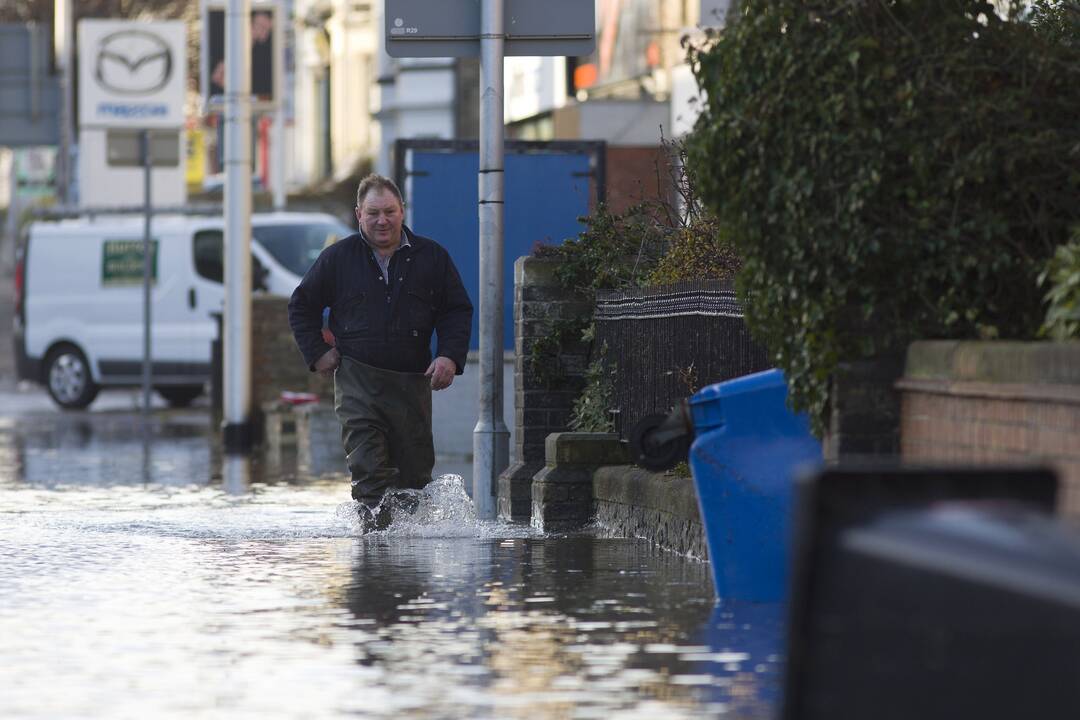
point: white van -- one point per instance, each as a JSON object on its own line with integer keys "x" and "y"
{"x": 79, "y": 297}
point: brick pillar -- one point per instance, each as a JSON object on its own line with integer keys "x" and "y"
{"x": 562, "y": 492}
{"x": 276, "y": 363}
{"x": 318, "y": 440}
{"x": 864, "y": 419}
{"x": 539, "y": 410}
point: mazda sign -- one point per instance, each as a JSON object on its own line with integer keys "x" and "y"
{"x": 133, "y": 62}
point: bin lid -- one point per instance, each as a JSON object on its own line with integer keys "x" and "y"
{"x": 740, "y": 400}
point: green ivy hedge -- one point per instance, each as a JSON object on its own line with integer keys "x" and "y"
{"x": 888, "y": 170}
{"x": 1062, "y": 275}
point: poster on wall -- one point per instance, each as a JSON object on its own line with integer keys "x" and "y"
{"x": 262, "y": 55}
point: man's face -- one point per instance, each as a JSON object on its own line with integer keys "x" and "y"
{"x": 261, "y": 27}
{"x": 380, "y": 217}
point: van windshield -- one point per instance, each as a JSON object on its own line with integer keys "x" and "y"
{"x": 296, "y": 245}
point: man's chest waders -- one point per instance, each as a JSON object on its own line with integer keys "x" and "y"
{"x": 385, "y": 427}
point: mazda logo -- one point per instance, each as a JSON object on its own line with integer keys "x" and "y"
{"x": 133, "y": 62}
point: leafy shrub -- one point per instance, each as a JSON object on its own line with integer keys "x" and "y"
{"x": 696, "y": 247}
{"x": 614, "y": 250}
{"x": 592, "y": 409}
{"x": 1063, "y": 275}
{"x": 888, "y": 170}
{"x": 696, "y": 253}
{"x": 652, "y": 243}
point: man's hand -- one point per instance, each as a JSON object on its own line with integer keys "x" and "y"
{"x": 441, "y": 371}
{"x": 328, "y": 363}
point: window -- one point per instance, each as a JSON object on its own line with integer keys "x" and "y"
{"x": 297, "y": 245}
{"x": 123, "y": 148}
{"x": 209, "y": 255}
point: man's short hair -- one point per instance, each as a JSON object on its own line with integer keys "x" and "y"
{"x": 376, "y": 182}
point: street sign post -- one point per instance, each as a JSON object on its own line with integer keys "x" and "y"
{"x": 131, "y": 80}
{"x": 491, "y": 29}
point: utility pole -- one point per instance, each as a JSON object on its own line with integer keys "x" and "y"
{"x": 491, "y": 439}
{"x": 237, "y": 321}
{"x": 277, "y": 148}
{"x": 63, "y": 42}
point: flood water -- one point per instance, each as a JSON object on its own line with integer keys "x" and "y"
{"x": 142, "y": 577}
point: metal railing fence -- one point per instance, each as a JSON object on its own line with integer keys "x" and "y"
{"x": 661, "y": 344}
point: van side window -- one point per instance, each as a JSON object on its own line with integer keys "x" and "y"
{"x": 209, "y": 254}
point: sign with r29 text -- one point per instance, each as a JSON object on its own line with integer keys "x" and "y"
{"x": 451, "y": 28}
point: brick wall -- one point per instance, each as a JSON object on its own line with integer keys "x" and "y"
{"x": 995, "y": 402}
{"x": 276, "y": 362}
{"x": 661, "y": 508}
{"x": 539, "y": 410}
{"x": 864, "y": 414}
{"x": 635, "y": 174}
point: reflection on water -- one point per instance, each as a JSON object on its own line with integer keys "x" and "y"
{"x": 103, "y": 449}
{"x": 742, "y": 645}
{"x": 236, "y": 474}
{"x": 154, "y": 580}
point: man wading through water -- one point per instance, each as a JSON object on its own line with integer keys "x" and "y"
{"x": 387, "y": 289}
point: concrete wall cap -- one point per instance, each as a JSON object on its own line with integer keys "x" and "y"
{"x": 584, "y": 449}
{"x": 997, "y": 361}
{"x": 536, "y": 271}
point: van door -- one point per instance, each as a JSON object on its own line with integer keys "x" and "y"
{"x": 208, "y": 290}
{"x": 206, "y": 294}
{"x": 116, "y": 328}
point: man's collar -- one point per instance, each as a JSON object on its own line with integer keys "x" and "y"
{"x": 404, "y": 242}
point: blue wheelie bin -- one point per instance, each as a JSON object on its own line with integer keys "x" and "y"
{"x": 748, "y": 446}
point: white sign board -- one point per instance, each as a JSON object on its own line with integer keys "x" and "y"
{"x": 35, "y": 171}
{"x": 132, "y": 73}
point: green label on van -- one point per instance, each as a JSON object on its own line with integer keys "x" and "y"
{"x": 122, "y": 262}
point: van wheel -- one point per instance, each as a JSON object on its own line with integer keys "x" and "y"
{"x": 179, "y": 396}
{"x": 68, "y": 379}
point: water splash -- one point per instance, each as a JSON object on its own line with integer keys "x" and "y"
{"x": 443, "y": 509}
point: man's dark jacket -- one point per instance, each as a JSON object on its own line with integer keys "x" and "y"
{"x": 387, "y": 326}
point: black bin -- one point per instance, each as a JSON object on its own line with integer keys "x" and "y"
{"x": 933, "y": 594}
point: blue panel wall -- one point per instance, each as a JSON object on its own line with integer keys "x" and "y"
{"x": 545, "y": 196}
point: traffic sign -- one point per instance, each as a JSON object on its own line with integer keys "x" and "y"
{"x": 451, "y": 28}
